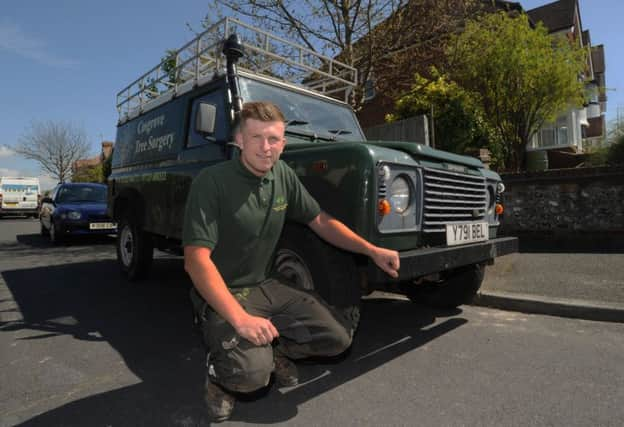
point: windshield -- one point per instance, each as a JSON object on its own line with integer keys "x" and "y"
{"x": 19, "y": 188}
{"x": 304, "y": 113}
{"x": 81, "y": 193}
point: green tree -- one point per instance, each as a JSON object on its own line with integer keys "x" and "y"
{"x": 615, "y": 153}
{"x": 168, "y": 77}
{"x": 520, "y": 77}
{"x": 383, "y": 39}
{"x": 615, "y": 130}
{"x": 88, "y": 174}
{"x": 106, "y": 168}
{"x": 458, "y": 124}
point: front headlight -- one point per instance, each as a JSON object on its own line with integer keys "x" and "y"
{"x": 500, "y": 187}
{"x": 398, "y": 198}
{"x": 400, "y": 194}
{"x": 74, "y": 215}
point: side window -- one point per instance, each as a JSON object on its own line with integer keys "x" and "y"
{"x": 62, "y": 194}
{"x": 54, "y": 192}
{"x": 212, "y": 111}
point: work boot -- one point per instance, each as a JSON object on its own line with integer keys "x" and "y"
{"x": 285, "y": 371}
{"x": 219, "y": 403}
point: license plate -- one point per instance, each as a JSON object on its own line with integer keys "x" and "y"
{"x": 458, "y": 234}
{"x": 10, "y": 203}
{"x": 102, "y": 226}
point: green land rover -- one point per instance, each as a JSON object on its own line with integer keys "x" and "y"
{"x": 439, "y": 210}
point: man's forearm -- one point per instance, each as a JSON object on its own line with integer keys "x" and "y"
{"x": 210, "y": 285}
{"x": 339, "y": 235}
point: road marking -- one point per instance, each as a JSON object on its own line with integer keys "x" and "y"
{"x": 385, "y": 347}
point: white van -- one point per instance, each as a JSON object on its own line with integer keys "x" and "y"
{"x": 19, "y": 196}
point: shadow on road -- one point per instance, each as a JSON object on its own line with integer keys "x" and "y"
{"x": 33, "y": 244}
{"x": 39, "y": 241}
{"x": 149, "y": 324}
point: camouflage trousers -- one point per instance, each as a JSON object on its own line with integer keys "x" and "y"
{"x": 306, "y": 324}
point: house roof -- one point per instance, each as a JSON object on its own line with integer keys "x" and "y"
{"x": 555, "y": 16}
{"x": 598, "y": 58}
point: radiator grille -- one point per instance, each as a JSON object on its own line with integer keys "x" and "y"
{"x": 452, "y": 197}
{"x": 98, "y": 217}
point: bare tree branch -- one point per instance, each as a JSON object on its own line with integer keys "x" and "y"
{"x": 55, "y": 146}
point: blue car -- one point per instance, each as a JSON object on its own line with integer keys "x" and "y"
{"x": 75, "y": 209}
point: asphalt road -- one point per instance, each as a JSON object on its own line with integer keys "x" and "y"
{"x": 596, "y": 277}
{"x": 80, "y": 346}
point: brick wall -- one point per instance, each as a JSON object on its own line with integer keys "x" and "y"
{"x": 566, "y": 209}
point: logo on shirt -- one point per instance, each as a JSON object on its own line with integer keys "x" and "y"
{"x": 280, "y": 204}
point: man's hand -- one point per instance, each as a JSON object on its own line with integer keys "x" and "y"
{"x": 387, "y": 260}
{"x": 257, "y": 330}
{"x": 338, "y": 234}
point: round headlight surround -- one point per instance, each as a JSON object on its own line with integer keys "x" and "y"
{"x": 490, "y": 200}
{"x": 400, "y": 194}
{"x": 384, "y": 172}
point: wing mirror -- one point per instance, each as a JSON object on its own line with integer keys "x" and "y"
{"x": 205, "y": 119}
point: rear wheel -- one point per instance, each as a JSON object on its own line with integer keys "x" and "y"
{"x": 454, "y": 288}
{"x": 313, "y": 265}
{"x": 135, "y": 250}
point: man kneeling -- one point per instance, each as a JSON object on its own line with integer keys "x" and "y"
{"x": 234, "y": 216}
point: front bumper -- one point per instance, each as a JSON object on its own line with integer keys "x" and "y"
{"x": 421, "y": 262}
{"x": 19, "y": 211}
{"x": 76, "y": 228}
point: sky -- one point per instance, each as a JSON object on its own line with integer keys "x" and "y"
{"x": 65, "y": 60}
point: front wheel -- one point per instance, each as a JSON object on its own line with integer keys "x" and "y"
{"x": 454, "y": 288}
{"x": 313, "y": 265}
{"x": 135, "y": 250}
{"x": 56, "y": 233}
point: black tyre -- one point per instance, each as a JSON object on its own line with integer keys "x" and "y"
{"x": 311, "y": 264}
{"x": 55, "y": 233}
{"x": 456, "y": 287}
{"x": 135, "y": 250}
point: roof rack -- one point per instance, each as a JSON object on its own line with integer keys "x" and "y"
{"x": 199, "y": 60}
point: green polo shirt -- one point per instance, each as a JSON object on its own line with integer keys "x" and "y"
{"x": 240, "y": 217}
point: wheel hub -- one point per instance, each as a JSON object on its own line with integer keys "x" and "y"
{"x": 126, "y": 245}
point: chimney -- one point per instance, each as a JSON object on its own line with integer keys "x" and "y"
{"x": 107, "y": 149}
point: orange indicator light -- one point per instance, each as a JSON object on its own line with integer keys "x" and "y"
{"x": 499, "y": 209}
{"x": 384, "y": 207}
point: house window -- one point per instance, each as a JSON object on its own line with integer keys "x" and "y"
{"x": 562, "y": 132}
{"x": 547, "y": 137}
{"x": 554, "y": 134}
